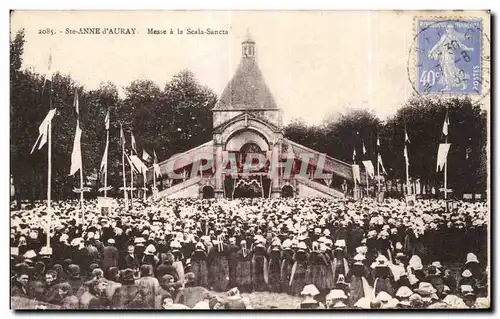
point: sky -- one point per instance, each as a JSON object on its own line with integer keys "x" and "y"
{"x": 316, "y": 63}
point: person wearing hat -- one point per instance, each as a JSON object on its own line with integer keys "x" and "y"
{"x": 468, "y": 295}
{"x": 435, "y": 279}
{"x": 75, "y": 279}
{"x": 286, "y": 264}
{"x": 274, "y": 262}
{"x": 260, "y": 267}
{"x": 308, "y": 293}
{"x": 110, "y": 255}
{"x": 319, "y": 271}
{"x": 403, "y": 295}
{"x": 467, "y": 279}
{"x": 336, "y": 299}
{"x": 128, "y": 295}
{"x": 339, "y": 262}
{"x": 358, "y": 283}
{"x": 384, "y": 279}
{"x": 299, "y": 269}
{"x": 244, "y": 267}
{"x": 218, "y": 266}
{"x": 176, "y": 251}
{"x": 427, "y": 292}
{"x": 199, "y": 265}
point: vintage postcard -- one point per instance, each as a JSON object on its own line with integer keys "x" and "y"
{"x": 225, "y": 160}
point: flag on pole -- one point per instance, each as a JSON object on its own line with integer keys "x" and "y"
{"x": 139, "y": 165}
{"x": 354, "y": 154}
{"x": 406, "y": 156}
{"x": 76, "y": 155}
{"x": 104, "y": 160}
{"x": 131, "y": 164}
{"x": 446, "y": 124}
{"x": 106, "y": 121}
{"x": 43, "y": 130}
{"x": 132, "y": 141}
{"x": 407, "y": 139}
{"x": 442, "y": 155}
{"x": 76, "y": 104}
{"x": 145, "y": 156}
{"x": 355, "y": 173}
{"x": 122, "y": 135}
{"x": 370, "y": 170}
{"x": 156, "y": 166}
{"x": 364, "y": 148}
{"x": 49, "y": 73}
{"x": 381, "y": 164}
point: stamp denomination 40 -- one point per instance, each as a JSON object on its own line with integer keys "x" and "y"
{"x": 449, "y": 56}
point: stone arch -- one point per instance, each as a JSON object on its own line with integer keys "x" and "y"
{"x": 242, "y": 137}
{"x": 251, "y": 125}
{"x": 287, "y": 191}
{"x": 207, "y": 191}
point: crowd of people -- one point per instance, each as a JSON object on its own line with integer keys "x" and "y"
{"x": 209, "y": 253}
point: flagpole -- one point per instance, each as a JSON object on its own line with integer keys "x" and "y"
{"x": 446, "y": 164}
{"x": 131, "y": 183}
{"x": 81, "y": 194}
{"x": 125, "y": 196}
{"x": 407, "y": 176}
{"x": 106, "y": 166}
{"x": 49, "y": 182}
{"x": 378, "y": 171}
{"x": 49, "y": 171}
{"x": 154, "y": 182}
{"x": 367, "y": 184}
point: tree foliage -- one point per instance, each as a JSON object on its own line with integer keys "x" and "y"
{"x": 168, "y": 120}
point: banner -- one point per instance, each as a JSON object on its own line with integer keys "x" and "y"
{"x": 442, "y": 155}
{"x": 355, "y": 173}
{"x": 369, "y": 168}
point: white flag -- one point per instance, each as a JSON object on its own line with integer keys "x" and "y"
{"x": 43, "y": 130}
{"x": 156, "y": 167}
{"x": 106, "y": 120}
{"x": 139, "y": 165}
{"x": 369, "y": 168}
{"x": 381, "y": 164}
{"x": 445, "y": 124}
{"x": 442, "y": 155}
{"x": 354, "y": 154}
{"x": 364, "y": 148}
{"x": 406, "y": 156}
{"x": 104, "y": 160}
{"x": 355, "y": 173}
{"x": 407, "y": 138}
{"x": 76, "y": 155}
{"x": 145, "y": 156}
{"x": 132, "y": 166}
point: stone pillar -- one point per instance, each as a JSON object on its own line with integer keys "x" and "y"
{"x": 275, "y": 178}
{"x": 218, "y": 192}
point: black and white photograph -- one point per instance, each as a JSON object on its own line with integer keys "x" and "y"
{"x": 258, "y": 160}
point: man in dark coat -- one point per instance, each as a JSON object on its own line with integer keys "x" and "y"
{"x": 75, "y": 280}
{"x": 20, "y": 286}
{"x": 109, "y": 255}
{"x": 127, "y": 296}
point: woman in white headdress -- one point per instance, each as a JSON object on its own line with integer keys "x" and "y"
{"x": 244, "y": 268}
{"x": 358, "y": 283}
{"x": 199, "y": 265}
